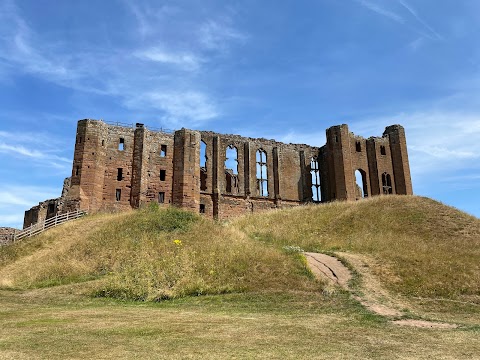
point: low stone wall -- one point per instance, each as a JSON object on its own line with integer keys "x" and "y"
{"x": 6, "y": 235}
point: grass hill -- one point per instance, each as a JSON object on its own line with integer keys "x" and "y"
{"x": 98, "y": 287}
{"x": 420, "y": 247}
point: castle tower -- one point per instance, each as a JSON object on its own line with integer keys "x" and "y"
{"x": 401, "y": 168}
{"x": 88, "y": 165}
{"x": 186, "y": 171}
{"x": 339, "y": 162}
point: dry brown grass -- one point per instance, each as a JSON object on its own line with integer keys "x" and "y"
{"x": 152, "y": 254}
{"x": 421, "y": 247}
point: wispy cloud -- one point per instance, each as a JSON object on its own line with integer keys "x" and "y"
{"x": 158, "y": 68}
{"x": 185, "y": 60}
{"x": 381, "y": 11}
{"x": 179, "y": 106}
{"x": 25, "y": 145}
{"x": 15, "y": 199}
{"x": 413, "y": 12}
{"x": 217, "y": 35}
{"x": 405, "y": 19}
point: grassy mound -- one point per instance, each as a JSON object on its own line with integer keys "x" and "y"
{"x": 150, "y": 254}
{"x": 421, "y": 247}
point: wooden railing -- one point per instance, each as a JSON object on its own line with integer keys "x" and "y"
{"x": 38, "y": 228}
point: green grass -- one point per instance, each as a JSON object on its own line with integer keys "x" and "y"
{"x": 165, "y": 283}
{"x": 291, "y": 325}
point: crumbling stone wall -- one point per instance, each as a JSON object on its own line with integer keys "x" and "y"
{"x": 119, "y": 167}
{"x": 6, "y": 235}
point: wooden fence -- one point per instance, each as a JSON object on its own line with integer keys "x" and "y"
{"x": 38, "y": 228}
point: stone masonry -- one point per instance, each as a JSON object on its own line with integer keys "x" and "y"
{"x": 118, "y": 167}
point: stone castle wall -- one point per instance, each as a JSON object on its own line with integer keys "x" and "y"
{"x": 117, "y": 167}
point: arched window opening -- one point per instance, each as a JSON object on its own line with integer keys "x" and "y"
{"x": 387, "y": 184}
{"x": 231, "y": 169}
{"x": 361, "y": 190}
{"x": 358, "y": 146}
{"x": 315, "y": 173}
{"x": 383, "y": 151}
{"x": 231, "y": 159}
{"x": 262, "y": 176}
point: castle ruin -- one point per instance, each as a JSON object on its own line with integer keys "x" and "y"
{"x": 120, "y": 167}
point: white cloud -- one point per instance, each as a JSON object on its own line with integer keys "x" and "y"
{"x": 187, "y": 108}
{"x": 23, "y": 145}
{"x": 217, "y": 35}
{"x": 186, "y": 60}
{"x": 381, "y": 11}
{"x": 414, "y": 13}
{"x": 154, "y": 76}
{"x": 15, "y": 199}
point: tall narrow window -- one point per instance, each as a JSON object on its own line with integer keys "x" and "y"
{"x": 382, "y": 150}
{"x": 77, "y": 170}
{"x": 118, "y": 194}
{"x": 387, "y": 184}
{"x": 231, "y": 169}
{"x": 315, "y": 172}
{"x": 358, "y": 146}
{"x": 121, "y": 144}
{"x": 203, "y": 166}
{"x": 163, "y": 174}
{"x": 262, "y": 176}
{"x": 163, "y": 150}
{"x": 203, "y": 154}
{"x": 202, "y": 208}
{"x": 161, "y": 197}
{"x": 119, "y": 174}
{"x": 103, "y": 142}
{"x": 361, "y": 189}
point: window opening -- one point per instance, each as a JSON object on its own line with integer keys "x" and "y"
{"x": 163, "y": 150}
{"x": 118, "y": 194}
{"x": 360, "y": 184}
{"x": 315, "y": 173}
{"x": 203, "y": 154}
{"x": 77, "y": 170}
{"x": 202, "y": 208}
{"x": 231, "y": 169}
{"x": 262, "y": 176}
{"x": 121, "y": 144}
{"x": 203, "y": 166}
{"x": 336, "y": 138}
{"x": 358, "y": 146}
{"x": 383, "y": 150}
{"x": 103, "y": 142}
{"x": 161, "y": 197}
{"x": 163, "y": 174}
{"x": 119, "y": 174}
{"x": 387, "y": 183}
{"x": 51, "y": 209}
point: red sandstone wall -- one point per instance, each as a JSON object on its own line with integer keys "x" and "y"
{"x": 97, "y": 158}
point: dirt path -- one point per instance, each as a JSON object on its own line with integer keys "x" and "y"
{"x": 371, "y": 294}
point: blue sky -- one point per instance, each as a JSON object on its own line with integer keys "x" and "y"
{"x": 277, "y": 69}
